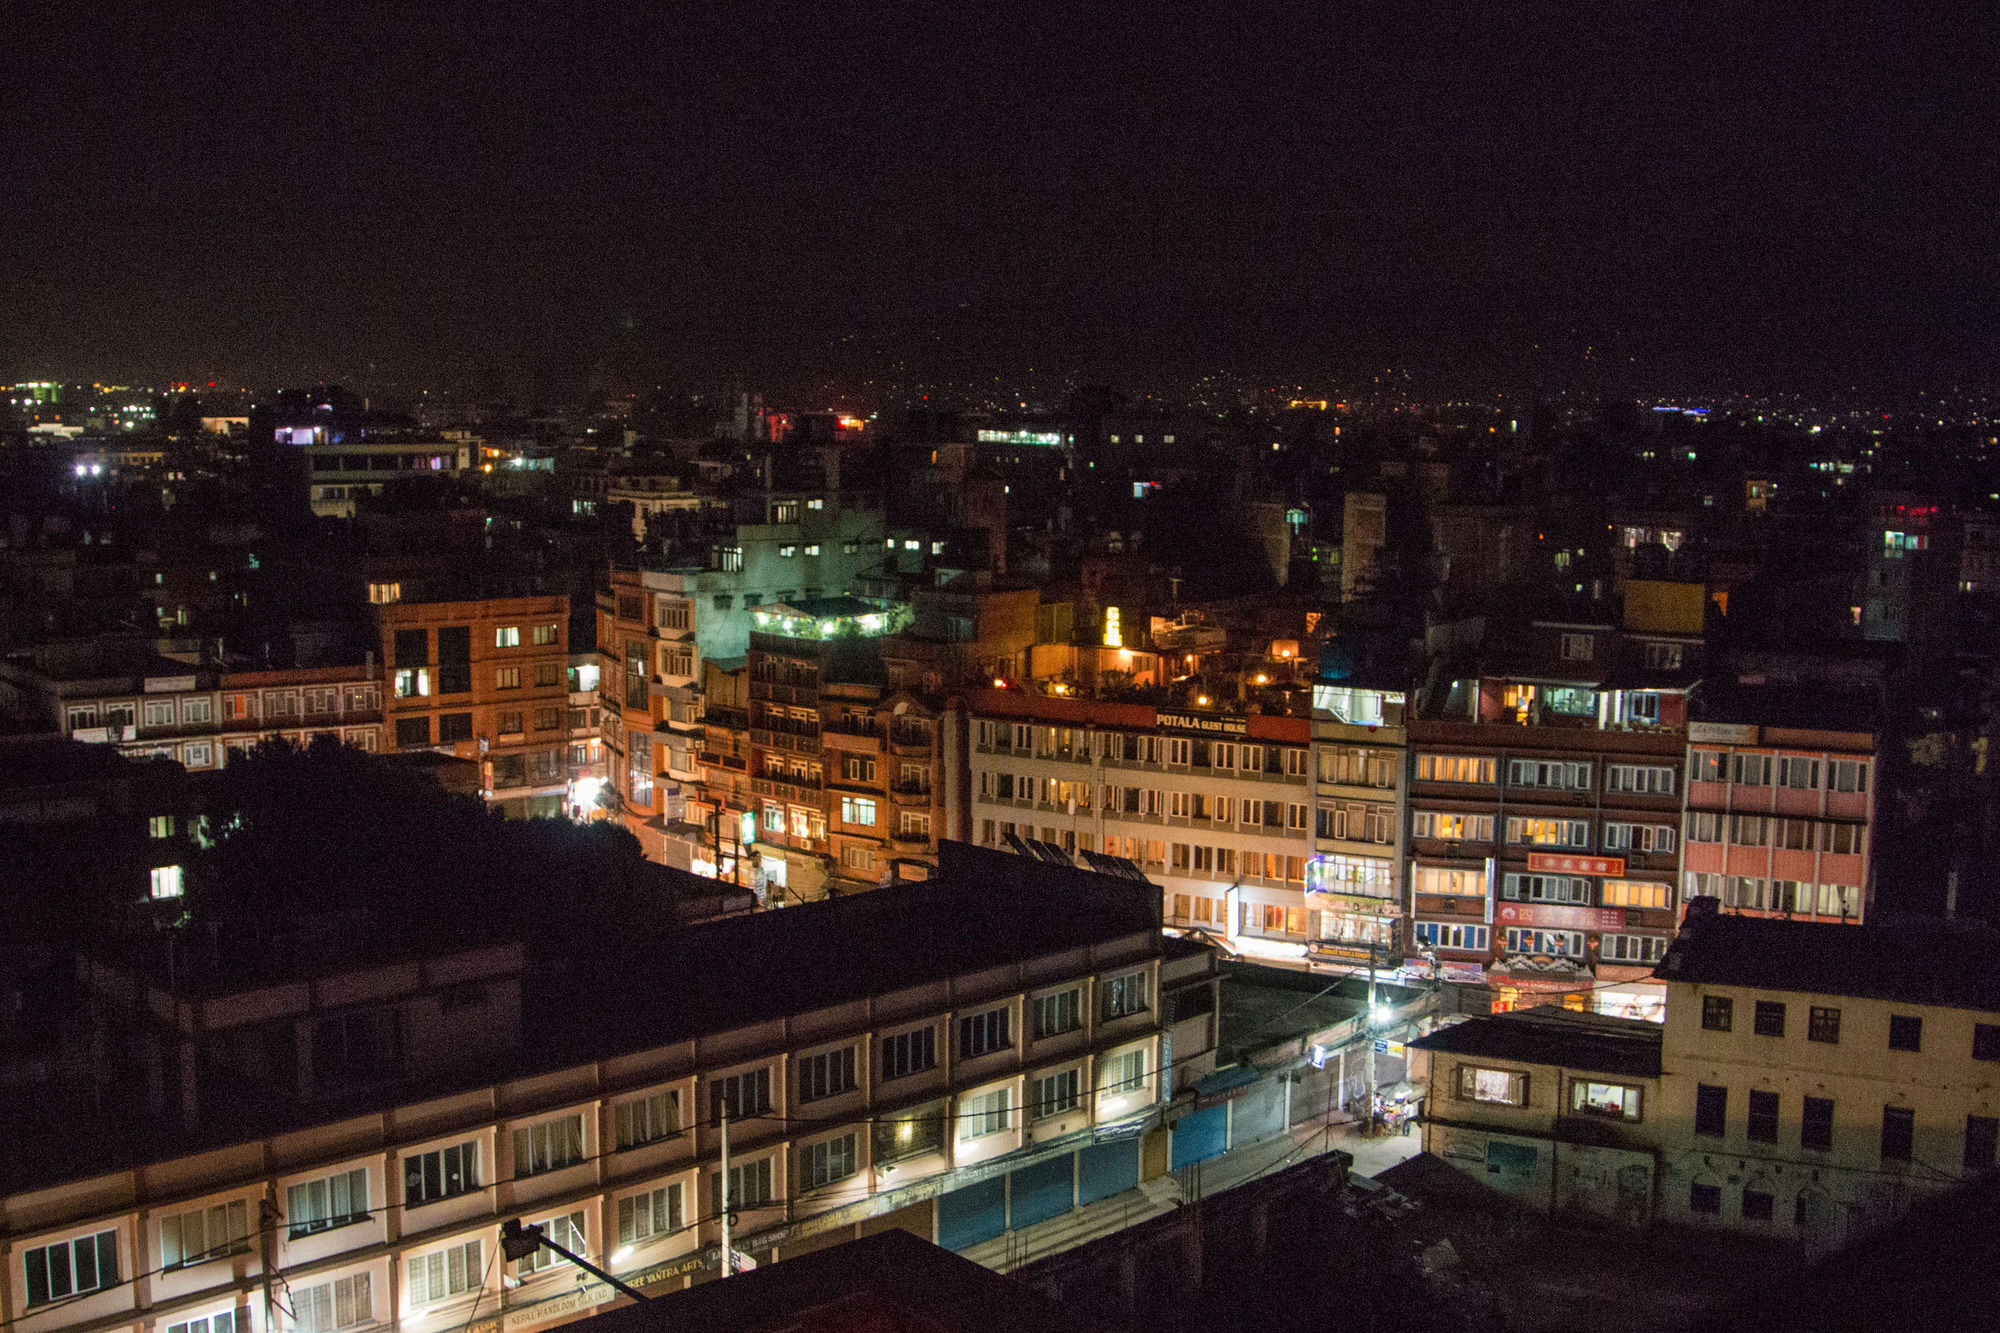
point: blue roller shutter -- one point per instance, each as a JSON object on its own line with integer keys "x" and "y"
{"x": 975, "y": 1213}
{"x": 1105, "y": 1169}
{"x": 1043, "y": 1190}
{"x": 1200, "y": 1136}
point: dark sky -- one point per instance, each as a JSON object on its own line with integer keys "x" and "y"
{"x": 423, "y": 193}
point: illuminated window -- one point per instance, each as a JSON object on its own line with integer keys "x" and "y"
{"x": 1498, "y": 1086}
{"x": 1614, "y": 1101}
{"x": 167, "y": 882}
{"x": 507, "y": 636}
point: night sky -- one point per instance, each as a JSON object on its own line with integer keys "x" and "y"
{"x": 1651, "y": 200}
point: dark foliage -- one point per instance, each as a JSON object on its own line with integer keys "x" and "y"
{"x": 331, "y": 832}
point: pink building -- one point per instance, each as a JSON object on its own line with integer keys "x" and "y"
{"x": 1779, "y": 820}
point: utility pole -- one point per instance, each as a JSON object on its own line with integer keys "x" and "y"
{"x": 724, "y": 1191}
{"x": 1370, "y": 1029}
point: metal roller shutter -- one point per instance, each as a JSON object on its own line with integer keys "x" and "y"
{"x": 1105, "y": 1169}
{"x": 1314, "y": 1096}
{"x": 1041, "y": 1191}
{"x": 975, "y": 1213}
{"x": 1260, "y": 1112}
{"x": 1200, "y": 1135}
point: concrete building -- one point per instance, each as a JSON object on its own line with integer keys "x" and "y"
{"x": 1558, "y": 1110}
{"x": 485, "y": 680}
{"x": 1217, "y": 809}
{"x": 1364, "y": 530}
{"x": 196, "y": 713}
{"x": 785, "y": 547}
{"x": 1821, "y": 1079}
{"x": 944, "y": 1057}
{"x": 1779, "y": 820}
{"x": 1355, "y": 878}
{"x": 1545, "y": 810}
{"x": 650, "y": 715}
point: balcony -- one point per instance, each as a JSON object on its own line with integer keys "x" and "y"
{"x": 770, "y": 691}
{"x": 911, "y": 841}
{"x": 710, "y": 759}
{"x": 910, "y": 747}
{"x": 800, "y": 792}
{"x": 724, "y": 718}
{"x": 785, "y": 740}
{"x": 910, "y": 793}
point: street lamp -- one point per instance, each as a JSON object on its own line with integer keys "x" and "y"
{"x": 518, "y": 1242}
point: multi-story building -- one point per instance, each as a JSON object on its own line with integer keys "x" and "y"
{"x": 961, "y": 1057}
{"x": 883, "y": 800}
{"x": 196, "y": 713}
{"x": 589, "y": 774}
{"x": 1355, "y": 877}
{"x": 301, "y": 705}
{"x": 1545, "y": 811}
{"x": 1558, "y": 1110}
{"x": 842, "y": 773}
{"x": 485, "y": 680}
{"x": 1216, "y": 808}
{"x": 649, "y": 664}
{"x": 1779, "y": 819}
{"x": 785, "y": 547}
{"x": 1821, "y": 1079}
{"x": 720, "y": 831}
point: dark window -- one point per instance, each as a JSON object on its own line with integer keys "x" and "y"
{"x": 742, "y": 1094}
{"x": 1756, "y": 1206}
{"x": 413, "y": 647}
{"x": 1763, "y": 1126}
{"x": 413, "y": 730}
{"x": 1823, "y": 1024}
{"x": 454, "y": 659}
{"x": 826, "y": 1074}
{"x": 1899, "y": 1133}
{"x": 1770, "y": 1020}
{"x": 454, "y": 727}
{"x": 1718, "y": 1013}
{"x": 1711, "y": 1109}
{"x": 909, "y": 1053}
{"x": 1906, "y": 1032}
{"x": 1816, "y": 1124}
{"x": 1986, "y": 1041}
{"x": 1704, "y": 1198}
{"x": 979, "y": 1034}
{"x": 1982, "y": 1142}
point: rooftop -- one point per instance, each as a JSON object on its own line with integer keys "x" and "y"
{"x": 1919, "y": 962}
{"x": 891, "y": 1280}
{"x": 1563, "y": 1038}
{"x": 982, "y": 909}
